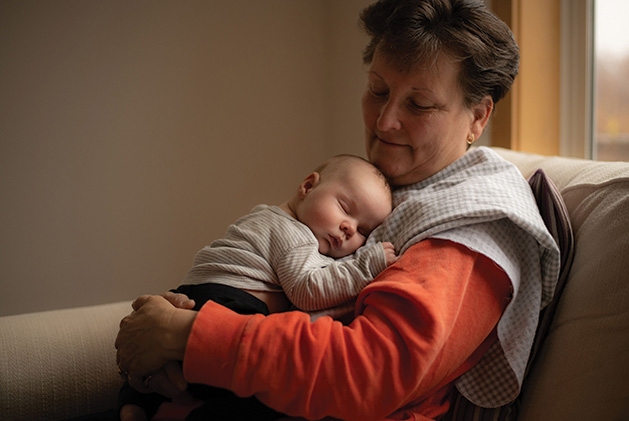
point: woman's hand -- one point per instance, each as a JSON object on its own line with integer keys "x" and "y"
{"x": 167, "y": 381}
{"x": 179, "y": 300}
{"x": 155, "y": 333}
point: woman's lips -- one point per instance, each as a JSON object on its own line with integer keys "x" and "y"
{"x": 386, "y": 142}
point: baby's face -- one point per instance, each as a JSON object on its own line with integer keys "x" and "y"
{"x": 342, "y": 212}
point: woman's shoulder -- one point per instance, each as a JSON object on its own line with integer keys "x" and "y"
{"x": 480, "y": 174}
{"x": 489, "y": 159}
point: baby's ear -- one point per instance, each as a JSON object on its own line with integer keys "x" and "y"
{"x": 308, "y": 184}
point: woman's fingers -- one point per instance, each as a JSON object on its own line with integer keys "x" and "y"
{"x": 179, "y": 300}
{"x": 167, "y": 381}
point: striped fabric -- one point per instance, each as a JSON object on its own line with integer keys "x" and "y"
{"x": 555, "y": 216}
{"x": 268, "y": 250}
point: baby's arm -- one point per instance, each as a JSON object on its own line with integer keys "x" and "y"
{"x": 312, "y": 281}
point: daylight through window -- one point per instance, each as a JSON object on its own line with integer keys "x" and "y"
{"x": 611, "y": 80}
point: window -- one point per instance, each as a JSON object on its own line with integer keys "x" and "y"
{"x": 594, "y": 75}
{"x": 611, "y": 81}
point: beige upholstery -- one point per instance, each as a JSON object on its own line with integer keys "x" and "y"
{"x": 583, "y": 369}
{"x": 60, "y": 364}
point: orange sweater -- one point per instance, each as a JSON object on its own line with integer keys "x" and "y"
{"x": 425, "y": 321}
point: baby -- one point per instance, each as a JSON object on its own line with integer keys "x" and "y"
{"x": 280, "y": 257}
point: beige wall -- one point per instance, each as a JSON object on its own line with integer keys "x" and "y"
{"x": 133, "y": 132}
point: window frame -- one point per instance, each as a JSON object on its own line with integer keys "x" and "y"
{"x": 577, "y": 79}
{"x": 528, "y": 118}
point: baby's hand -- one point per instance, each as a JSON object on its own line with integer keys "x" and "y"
{"x": 389, "y": 253}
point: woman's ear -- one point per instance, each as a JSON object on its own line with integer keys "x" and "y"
{"x": 308, "y": 184}
{"x": 482, "y": 111}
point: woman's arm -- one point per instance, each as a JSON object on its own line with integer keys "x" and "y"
{"x": 417, "y": 326}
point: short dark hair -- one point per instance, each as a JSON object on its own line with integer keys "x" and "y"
{"x": 412, "y": 32}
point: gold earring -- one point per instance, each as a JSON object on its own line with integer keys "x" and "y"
{"x": 470, "y": 139}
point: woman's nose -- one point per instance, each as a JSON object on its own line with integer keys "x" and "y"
{"x": 388, "y": 118}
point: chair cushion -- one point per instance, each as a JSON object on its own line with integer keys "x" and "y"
{"x": 555, "y": 216}
{"x": 582, "y": 370}
{"x": 64, "y": 367}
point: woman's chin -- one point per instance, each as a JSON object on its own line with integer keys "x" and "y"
{"x": 389, "y": 164}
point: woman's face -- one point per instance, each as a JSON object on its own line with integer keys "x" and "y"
{"x": 416, "y": 122}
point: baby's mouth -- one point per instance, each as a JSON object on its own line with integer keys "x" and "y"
{"x": 335, "y": 242}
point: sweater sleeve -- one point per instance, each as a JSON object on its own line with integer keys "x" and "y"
{"x": 314, "y": 282}
{"x": 416, "y": 327}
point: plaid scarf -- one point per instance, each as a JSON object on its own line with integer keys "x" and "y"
{"x": 484, "y": 203}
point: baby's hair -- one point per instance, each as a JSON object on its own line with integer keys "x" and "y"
{"x": 338, "y": 159}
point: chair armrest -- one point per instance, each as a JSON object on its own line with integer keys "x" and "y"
{"x": 60, "y": 364}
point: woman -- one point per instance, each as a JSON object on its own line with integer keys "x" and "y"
{"x": 458, "y": 309}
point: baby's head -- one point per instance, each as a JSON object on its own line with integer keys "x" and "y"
{"x": 341, "y": 202}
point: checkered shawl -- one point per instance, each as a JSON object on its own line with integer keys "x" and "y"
{"x": 484, "y": 203}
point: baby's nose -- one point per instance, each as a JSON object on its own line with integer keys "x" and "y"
{"x": 348, "y": 228}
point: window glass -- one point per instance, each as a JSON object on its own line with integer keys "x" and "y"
{"x": 611, "y": 80}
